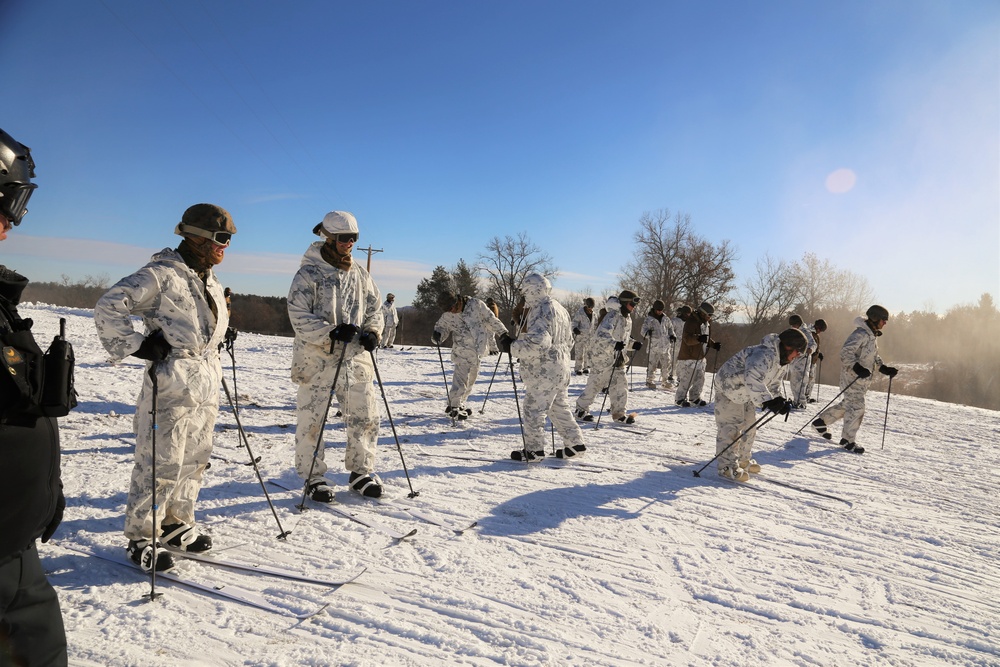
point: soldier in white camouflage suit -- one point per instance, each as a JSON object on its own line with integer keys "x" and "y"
{"x": 184, "y": 315}
{"x": 390, "y": 320}
{"x": 659, "y": 330}
{"x": 800, "y": 369}
{"x": 750, "y": 379}
{"x": 335, "y": 310}
{"x": 858, "y": 359}
{"x": 543, "y": 350}
{"x": 470, "y": 323}
{"x": 609, "y": 358}
{"x": 584, "y": 326}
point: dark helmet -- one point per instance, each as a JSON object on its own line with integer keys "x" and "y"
{"x": 683, "y": 311}
{"x": 447, "y": 300}
{"x": 794, "y": 339}
{"x": 16, "y": 171}
{"x": 707, "y": 308}
{"x": 589, "y": 302}
{"x": 208, "y": 221}
{"x": 794, "y": 320}
{"x": 876, "y": 313}
{"x": 626, "y": 297}
{"x": 658, "y": 305}
{"x": 820, "y": 325}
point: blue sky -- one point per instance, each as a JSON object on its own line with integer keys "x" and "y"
{"x": 443, "y": 124}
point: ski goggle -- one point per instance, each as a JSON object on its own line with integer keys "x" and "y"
{"x": 14, "y": 201}
{"x": 344, "y": 238}
{"x": 218, "y": 238}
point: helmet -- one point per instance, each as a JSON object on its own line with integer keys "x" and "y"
{"x": 707, "y": 308}
{"x": 876, "y": 313}
{"x": 683, "y": 310}
{"x": 628, "y": 296}
{"x": 794, "y": 339}
{"x": 206, "y": 220}
{"x": 16, "y": 171}
{"x": 535, "y": 286}
{"x": 336, "y": 222}
{"x": 820, "y": 325}
{"x": 794, "y": 320}
{"x": 390, "y": 296}
{"x": 589, "y": 302}
{"x": 658, "y": 305}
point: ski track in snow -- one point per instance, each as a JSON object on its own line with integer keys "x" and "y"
{"x": 636, "y": 563}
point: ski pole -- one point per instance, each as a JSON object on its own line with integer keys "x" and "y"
{"x": 282, "y": 533}
{"x": 827, "y": 405}
{"x": 322, "y": 424}
{"x": 819, "y": 377}
{"x": 764, "y": 418}
{"x": 399, "y": 448}
{"x": 152, "y": 437}
{"x": 482, "y": 410}
{"x": 520, "y": 420}
{"x": 885, "y": 423}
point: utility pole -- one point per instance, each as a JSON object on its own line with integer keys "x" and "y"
{"x": 370, "y": 250}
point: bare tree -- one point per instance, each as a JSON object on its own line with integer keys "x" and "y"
{"x": 821, "y": 287}
{"x": 769, "y": 293}
{"x": 506, "y": 262}
{"x": 674, "y": 264}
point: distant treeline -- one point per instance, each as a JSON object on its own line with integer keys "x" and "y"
{"x": 953, "y": 357}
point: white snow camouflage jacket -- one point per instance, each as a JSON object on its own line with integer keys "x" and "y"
{"x": 471, "y": 328}
{"x": 168, "y": 295}
{"x": 860, "y": 347}
{"x": 321, "y": 297}
{"x": 389, "y": 316}
{"x": 585, "y": 324}
{"x": 659, "y": 332}
{"x": 752, "y": 375}
{"x": 548, "y": 337}
{"x": 614, "y": 328}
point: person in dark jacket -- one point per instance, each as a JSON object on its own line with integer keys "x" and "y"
{"x": 31, "y": 497}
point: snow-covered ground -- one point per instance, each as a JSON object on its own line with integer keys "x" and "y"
{"x": 638, "y": 562}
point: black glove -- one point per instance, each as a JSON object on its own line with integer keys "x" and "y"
{"x": 778, "y": 405}
{"x": 368, "y": 340}
{"x": 344, "y": 333}
{"x": 230, "y": 334}
{"x": 703, "y": 338}
{"x": 619, "y": 346}
{"x": 715, "y": 345}
{"x": 576, "y": 332}
{"x": 153, "y": 348}
{"x": 636, "y": 346}
{"x": 673, "y": 339}
{"x": 861, "y": 371}
{"x": 504, "y": 343}
{"x": 56, "y": 518}
{"x": 819, "y": 355}
{"x": 888, "y": 370}
{"x": 436, "y": 338}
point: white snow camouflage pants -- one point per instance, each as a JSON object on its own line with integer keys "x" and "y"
{"x": 463, "y": 377}
{"x": 798, "y": 379}
{"x": 545, "y": 394}
{"x": 581, "y": 351}
{"x": 690, "y": 379}
{"x": 732, "y": 418}
{"x": 605, "y": 374}
{"x": 187, "y": 402}
{"x": 851, "y": 409}
{"x": 658, "y": 359}
{"x": 388, "y": 336}
{"x": 357, "y": 397}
